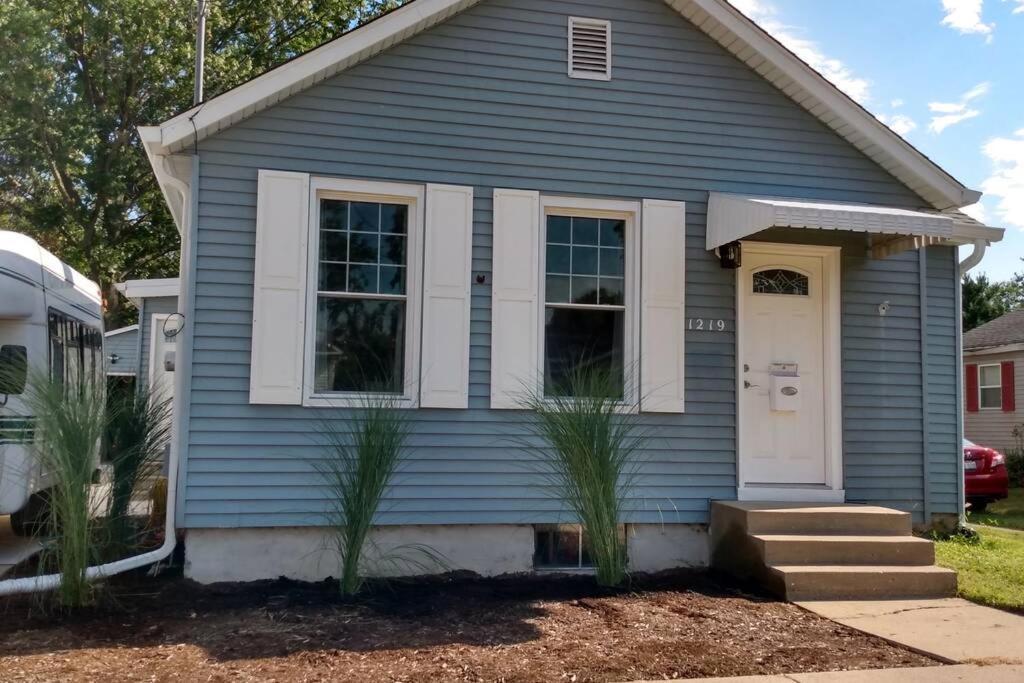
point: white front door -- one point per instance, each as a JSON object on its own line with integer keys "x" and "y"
{"x": 785, "y": 354}
{"x": 161, "y": 380}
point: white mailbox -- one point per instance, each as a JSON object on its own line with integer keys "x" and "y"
{"x": 784, "y": 392}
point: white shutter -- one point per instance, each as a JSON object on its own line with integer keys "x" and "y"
{"x": 279, "y": 294}
{"x": 663, "y": 302}
{"x": 514, "y": 292}
{"x": 446, "y": 289}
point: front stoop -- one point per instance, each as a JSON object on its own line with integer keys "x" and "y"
{"x": 826, "y": 552}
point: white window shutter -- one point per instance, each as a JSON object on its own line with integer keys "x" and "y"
{"x": 446, "y": 290}
{"x": 514, "y": 291}
{"x": 663, "y": 306}
{"x": 279, "y": 293}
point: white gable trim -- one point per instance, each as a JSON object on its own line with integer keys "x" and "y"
{"x": 121, "y": 330}
{"x": 147, "y": 289}
{"x": 717, "y": 18}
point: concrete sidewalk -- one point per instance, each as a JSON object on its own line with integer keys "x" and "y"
{"x": 951, "y": 629}
{"x": 960, "y": 673}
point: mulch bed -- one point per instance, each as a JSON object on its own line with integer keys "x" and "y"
{"x": 675, "y": 625}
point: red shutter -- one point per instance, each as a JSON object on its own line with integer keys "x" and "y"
{"x": 1009, "y": 398}
{"x": 971, "y": 387}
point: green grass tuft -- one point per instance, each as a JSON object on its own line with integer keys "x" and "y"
{"x": 1008, "y": 514}
{"x": 991, "y": 569}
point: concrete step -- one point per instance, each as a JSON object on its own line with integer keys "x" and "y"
{"x": 835, "y": 519}
{"x": 789, "y": 549}
{"x": 845, "y": 582}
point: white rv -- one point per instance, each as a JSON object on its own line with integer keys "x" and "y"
{"x": 51, "y": 320}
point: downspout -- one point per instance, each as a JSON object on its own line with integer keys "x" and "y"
{"x": 973, "y": 259}
{"x": 922, "y": 272}
{"x": 37, "y": 584}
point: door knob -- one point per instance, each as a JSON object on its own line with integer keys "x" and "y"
{"x": 748, "y": 385}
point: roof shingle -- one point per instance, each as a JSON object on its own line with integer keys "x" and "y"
{"x": 1006, "y": 329}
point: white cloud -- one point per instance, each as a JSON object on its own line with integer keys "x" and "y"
{"x": 1019, "y": 9}
{"x": 964, "y": 16}
{"x": 976, "y": 211}
{"x": 897, "y": 103}
{"x": 1007, "y": 180}
{"x": 833, "y": 69}
{"x": 952, "y": 113}
{"x": 901, "y": 124}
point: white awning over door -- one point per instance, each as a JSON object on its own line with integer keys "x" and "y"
{"x": 732, "y": 217}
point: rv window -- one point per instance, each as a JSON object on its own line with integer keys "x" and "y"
{"x": 13, "y": 369}
{"x": 75, "y": 349}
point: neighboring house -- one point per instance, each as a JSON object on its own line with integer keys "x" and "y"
{"x": 142, "y": 349}
{"x": 993, "y": 369}
{"x": 122, "y": 352}
{"x": 462, "y": 196}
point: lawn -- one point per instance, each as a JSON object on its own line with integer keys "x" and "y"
{"x": 1007, "y": 513}
{"x": 991, "y": 568}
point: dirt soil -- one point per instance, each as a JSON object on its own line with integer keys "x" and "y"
{"x": 677, "y": 625}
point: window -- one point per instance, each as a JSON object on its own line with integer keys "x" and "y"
{"x": 990, "y": 386}
{"x": 781, "y": 281}
{"x": 563, "y": 546}
{"x": 76, "y": 349}
{"x": 365, "y": 276}
{"x": 588, "y": 294}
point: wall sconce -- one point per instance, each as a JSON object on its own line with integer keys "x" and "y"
{"x": 730, "y": 255}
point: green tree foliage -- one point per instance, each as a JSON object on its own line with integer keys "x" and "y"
{"x": 983, "y": 300}
{"x": 80, "y": 75}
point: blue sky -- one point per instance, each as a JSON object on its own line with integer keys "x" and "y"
{"x": 948, "y": 75}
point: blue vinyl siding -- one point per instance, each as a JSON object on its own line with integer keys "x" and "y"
{"x": 945, "y": 455}
{"x": 126, "y": 347}
{"x": 483, "y": 100}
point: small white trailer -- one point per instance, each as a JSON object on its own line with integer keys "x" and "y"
{"x": 51, "y": 320}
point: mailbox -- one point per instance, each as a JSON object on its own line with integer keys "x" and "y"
{"x": 784, "y": 393}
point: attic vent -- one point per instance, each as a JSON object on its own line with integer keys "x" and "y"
{"x": 590, "y": 49}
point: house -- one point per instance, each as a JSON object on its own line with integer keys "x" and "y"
{"x": 466, "y": 195}
{"x": 139, "y": 351}
{"x": 993, "y": 369}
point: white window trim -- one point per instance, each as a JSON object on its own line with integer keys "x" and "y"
{"x": 590, "y": 75}
{"x": 999, "y": 386}
{"x": 599, "y": 208}
{"x": 371, "y": 191}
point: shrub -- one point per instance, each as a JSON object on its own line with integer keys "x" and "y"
{"x": 590, "y": 465}
{"x": 364, "y": 448}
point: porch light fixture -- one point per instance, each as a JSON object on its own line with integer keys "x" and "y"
{"x": 730, "y": 255}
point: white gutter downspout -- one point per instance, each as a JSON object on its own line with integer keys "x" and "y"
{"x": 974, "y": 258}
{"x": 47, "y": 582}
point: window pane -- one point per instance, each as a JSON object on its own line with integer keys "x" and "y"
{"x": 365, "y": 216}
{"x": 576, "y": 339}
{"x": 584, "y": 290}
{"x": 989, "y": 375}
{"x": 333, "y": 214}
{"x": 558, "y": 259}
{"x": 613, "y": 233}
{"x": 392, "y": 250}
{"x": 556, "y": 545}
{"x": 613, "y": 261}
{"x": 333, "y": 277}
{"x": 557, "y": 289}
{"x": 611, "y": 291}
{"x": 992, "y": 398}
{"x": 362, "y": 278}
{"x": 559, "y": 229}
{"x": 363, "y": 248}
{"x": 584, "y": 231}
{"x": 393, "y": 218}
{"x": 333, "y": 246}
{"x": 360, "y": 345}
{"x": 392, "y": 280}
{"x": 780, "y": 281}
{"x": 584, "y": 260}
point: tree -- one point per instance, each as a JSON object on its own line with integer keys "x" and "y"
{"x": 80, "y": 76}
{"x": 982, "y": 300}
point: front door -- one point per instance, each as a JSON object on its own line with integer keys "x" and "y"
{"x": 784, "y": 298}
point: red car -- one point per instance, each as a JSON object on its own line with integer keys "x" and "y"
{"x": 985, "y": 478}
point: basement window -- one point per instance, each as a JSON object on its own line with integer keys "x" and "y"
{"x": 590, "y": 49}
{"x": 563, "y": 546}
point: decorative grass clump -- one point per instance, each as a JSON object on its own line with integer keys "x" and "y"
{"x": 592, "y": 438}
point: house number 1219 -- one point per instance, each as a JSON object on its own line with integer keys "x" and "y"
{"x": 705, "y": 324}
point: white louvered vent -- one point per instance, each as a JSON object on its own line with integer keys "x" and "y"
{"x": 590, "y": 48}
